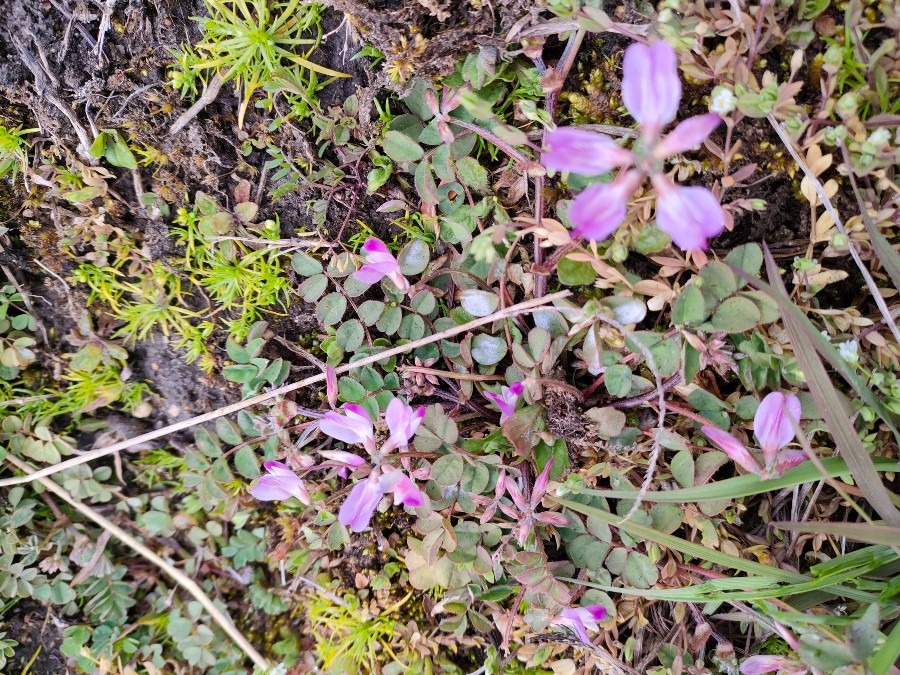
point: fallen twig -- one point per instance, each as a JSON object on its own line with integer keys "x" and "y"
{"x": 210, "y": 92}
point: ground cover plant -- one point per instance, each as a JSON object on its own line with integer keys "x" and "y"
{"x": 541, "y": 337}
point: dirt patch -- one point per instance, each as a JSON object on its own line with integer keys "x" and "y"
{"x": 38, "y": 631}
{"x": 184, "y": 389}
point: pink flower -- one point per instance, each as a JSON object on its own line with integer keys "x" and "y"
{"x": 525, "y": 511}
{"x": 331, "y": 385}
{"x": 281, "y": 483}
{"x": 773, "y": 429}
{"x": 359, "y": 507}
{"x": 402, "y": 422}
{"x": 506, "y": 400}
{"x": 690, "y": 215}
{"x": 355, "y": 427}
{"x": 651, "y": 91}
{"x": 580, "y": 619}
{"x": 759, "y": 665}
{"x": 380, "y": 263}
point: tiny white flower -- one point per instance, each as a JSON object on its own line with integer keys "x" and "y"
{"x": 849, "y": 351}
{"x": 722, "y": 101}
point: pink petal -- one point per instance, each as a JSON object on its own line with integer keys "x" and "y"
{"x": 687, "y": 135}
{"x": 353, "y": 427}
{"x": 402, "y": 422}
{"x": 651, "y": 88}
{"x": 584, "y": 152}
{"x": 772, "y": 423}
{"x": 540, "y": 484}
{"x": 759, "y": 665}
{"x": 368, "y": 274}
{"x": 571, "y": 618}
{"x": 341, "y": 457}
{"x": 733, "y": 448}
{"x": 405, "y": 491}
{"x": 788, "y": 459}
{"x": 373, "y": 245}
{"x": 690, "y": 215}
{"x": 331, "y": 385}
{"x": 600, "y": 209}
{"x": 279, "y": 485}
{"x": 516, "y": 388}
{"x": 359, "y": 507}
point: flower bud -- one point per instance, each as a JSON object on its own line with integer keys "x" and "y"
{"x": 618, "y": 253}
{"x": 840, "y": 241}
{"x": 847, "y": 105}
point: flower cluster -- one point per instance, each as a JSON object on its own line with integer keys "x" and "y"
{"x": 773, "y": 426}
{"x": 651, "y": 91}
{"x": 506, "y": 400}
{"x": 355, "y": 428}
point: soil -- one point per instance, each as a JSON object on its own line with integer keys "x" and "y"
{"x": 35, "y": 627}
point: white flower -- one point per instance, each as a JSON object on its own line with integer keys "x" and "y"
{"x": 849, "y": 351}
{"x": 722, "y": 101}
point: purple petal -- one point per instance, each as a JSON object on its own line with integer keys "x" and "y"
{"x": 341, "y": 457}
{"x": 687, "y": 135}
{"x": 402, "y": 422}
{"x": 540, "y": 484}
{"x": 353, "y": 427}
{"x": 357, "y": 510}
{"x": 690, "y": 215}
{"x": 584, "y": 152}
{"x": 651, "y": 88}
{"x": 270, "y": 489}
{"x": 517, "y": 388}
{"x": 600, "y": 209}
{"x": 274, "y": 467}
{"x": 772, "y": 423}
{"x": 571, "y": 618}
{"x": 596, "y": 612}
{"x": 373, "y": 245}
{"x": 733, "y": 448}
{"x": 405, "y": 491}
{"x": 759, "y": 665}
{"x": 368, "y": 274}
{"x": 788, "y": 459}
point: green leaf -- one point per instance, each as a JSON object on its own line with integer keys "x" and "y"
{"x": 312, "y": 288}
{"x": 617, "y": 380}
{"x": 390, "y": 320}
{"x": 401, "y": 148}
{"x": 558, "y": 452}
{"x": 412, "y": 327}
{"x": 331, "y": 308}
{"x": 748, "y": 257}
{"x": 640, "y": 571}
{"x": 587, "y": 552}
{"x": 350, "y": 335}
{"x": 117, "y": 152}
{"x": 370, "y": 311}
{"x": 305, "y": 265}
{"x": 425, "y": 185}
{"x": 488, "y": 350}
{"x": 682, "y": 466}
{"x": 351, "y": 390}
{"x": 473, "y": 174}
{"x": 479, "y": 303}
{"x": 717, "y": 280}
{"x": 689, "y": 307}
{"x": 246, "y": 463}
{"x": 736, "y": 315}
{"x": 447, "y": 470}
{"x": 575, "y": 272}
{"x": 414, "y": 257}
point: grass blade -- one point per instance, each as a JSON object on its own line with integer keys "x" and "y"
{"x": 775, "y": 574}
{"x": 888, "y": 654}
{"x": 747, "y": 485}
{"x": 864, "y": 532}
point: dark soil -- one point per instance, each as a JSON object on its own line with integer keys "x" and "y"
{"x": 37, "y": 629}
